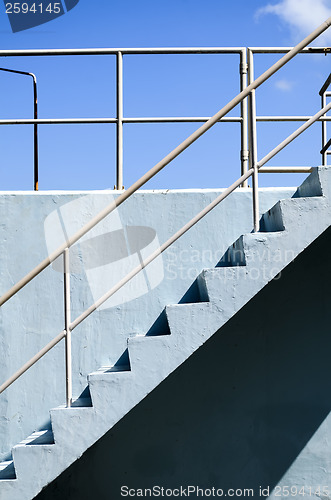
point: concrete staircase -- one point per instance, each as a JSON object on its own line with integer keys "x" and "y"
{"x": 248, "y": 265}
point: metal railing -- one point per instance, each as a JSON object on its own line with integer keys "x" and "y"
{"x": 326, "y": 144}
{"x": 246, "y": 76}
{"x": 119, "y": 120}
{"x": 255, "y": 165}
{"x": 323, "y": 93}
{"x": 35, "y": 125}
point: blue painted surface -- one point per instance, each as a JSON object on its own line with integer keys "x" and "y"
{"x": 258, "y": 437}
{"x": 274, "y": 429}
{"x": 35, "y": 315}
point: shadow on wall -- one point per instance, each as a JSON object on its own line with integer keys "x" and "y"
{"x": 239, "y": 411}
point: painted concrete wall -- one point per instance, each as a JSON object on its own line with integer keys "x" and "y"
{"x": 250, "y": 410}
{"x": 35, "y": 223}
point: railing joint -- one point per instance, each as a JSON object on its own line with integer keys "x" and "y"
{"x": 243, "y": 68}
{"x": 244, "y": 155}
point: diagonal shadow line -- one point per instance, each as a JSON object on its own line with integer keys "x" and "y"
{"x": 239, "y": 411}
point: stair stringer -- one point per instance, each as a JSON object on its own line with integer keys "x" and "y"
{"x": 224, "y": 289}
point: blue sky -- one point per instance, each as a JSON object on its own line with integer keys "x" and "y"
{"x": 83, "y": 156}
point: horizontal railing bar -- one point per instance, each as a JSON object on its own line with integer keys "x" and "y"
{"x": 290, "y": 118}
{"x": 161, "y": 249}
{"x": 68, "y": 121}
{"x": 32, "y": 361}
{"x": 167, "y": 159}
{"x": 179, "y": 119}
{"x": 155, "y": 50}
{"x": 285, "y": 170}
{"x": 56, "y": 121}
{"x": 293, "y": 136}
{"x": 283, "y": 50}
{"x": 114, "y": 51}
{"x": 326, "y": 147}
{"x": 157, "y": 119}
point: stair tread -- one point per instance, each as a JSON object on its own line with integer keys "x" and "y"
{"x": 38, "y": 438}
{"x": 81, "y": 403}
{"x": 7, "y": 470}
{"x": 118, "y": 368}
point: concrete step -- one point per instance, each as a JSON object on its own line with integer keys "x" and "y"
{"x": 252, "y": 249}
{"x": 107, "y": 388}
{"x": 229, "y": 278}
{"x": 73, "y": 428}
{"x": 313, "y": 184}
{"x": 293, "y": 211}
{"x": 7, "y": 470}
{"x": 190, "y": 325}
{"x": 30, "y": 460}
{"x": 150, "y": 359}
{"x": 232, "y": 293}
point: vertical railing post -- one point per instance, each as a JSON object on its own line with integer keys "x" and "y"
{"x": 244, "y": 153}
{"x": 35, "y": 126}
{"x": 67, "y": 320}
{"x": 250, "y": 79}
{"x": 119, "y": 123}
{"x": 253, "y": 150}
{"x": 324, "y": 136}
{"x": 35, "y": 130}
{"x": 253, "y": 144}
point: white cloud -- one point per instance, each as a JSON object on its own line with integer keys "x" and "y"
{"x": 284, "y": 85}
{"x": 303, "y": 16}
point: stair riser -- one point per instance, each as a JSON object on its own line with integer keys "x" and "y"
{"x": 232, "y": 295}
{"x": 313, "y": 185}
{"x": 75, "y": 429}
{"x": 43, "y": 461}
{"x": 273, "y": 219}
{"x": 108, "y": 389}
{"x": 9, "y": 490}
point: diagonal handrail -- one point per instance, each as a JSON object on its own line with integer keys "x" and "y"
{"x": 166, "y": 160}
{"x": 153, "y": 171}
